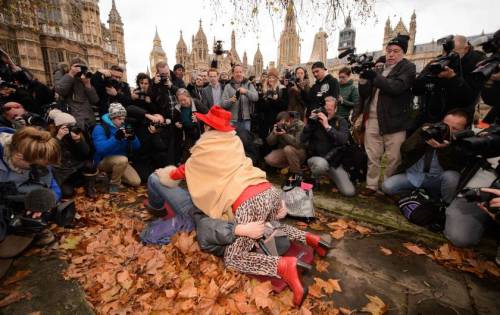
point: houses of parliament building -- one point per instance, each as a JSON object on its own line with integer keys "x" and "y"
{"x": 40, "y": 35}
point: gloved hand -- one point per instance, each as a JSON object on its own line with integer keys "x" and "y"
{"x": 120, "y": 134}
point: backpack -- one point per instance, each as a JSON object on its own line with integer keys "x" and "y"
{"x": 421, "y": 209}
{"x": 160, "y": 231}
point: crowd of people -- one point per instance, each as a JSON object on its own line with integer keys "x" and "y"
{"x": 224, "y": 133}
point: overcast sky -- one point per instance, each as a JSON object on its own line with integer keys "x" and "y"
{"x": 435, "y": 19}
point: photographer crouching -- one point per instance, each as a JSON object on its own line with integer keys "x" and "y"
{"x": 325, "y": 136}
{"x": 76, "y": 164}
{"x": 286, "y": 135}
{"x": 114, "y": 141}
{"x": 428, "y": 160}
{"x": 29, "y": 192}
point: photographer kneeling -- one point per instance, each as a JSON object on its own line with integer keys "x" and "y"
{"x": 25, "y": 157}
{"x": 286, "y": 135}
{"x": 113, "y": 143}
{"x": 429, "y": 161}
{"x": 325, "y": 135}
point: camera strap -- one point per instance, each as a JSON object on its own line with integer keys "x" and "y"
{"x": 429, "y": 154}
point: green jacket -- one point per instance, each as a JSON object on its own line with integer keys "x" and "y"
{"x": 350, "y": 96}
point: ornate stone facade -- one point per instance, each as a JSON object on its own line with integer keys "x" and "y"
{"x": 39, "y": 38}
{"x": 289, "y": 45}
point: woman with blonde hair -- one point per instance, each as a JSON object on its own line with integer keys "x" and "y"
{"x": 26, "y": 157}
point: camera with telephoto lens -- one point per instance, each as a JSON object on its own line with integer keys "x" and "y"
{"x": 358, "y": 63}
{"x": 438, "y": 131}
{"x": 218, "y": 49}
{"x": 485, "y": 143}
{"x": 478, "y": 196}
{"x": 16, "y": 208}
{"x": 449, "y": 59}
{"x": 316, "y": 111}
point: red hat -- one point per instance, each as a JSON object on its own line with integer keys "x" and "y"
{"x": 217, "y": 118}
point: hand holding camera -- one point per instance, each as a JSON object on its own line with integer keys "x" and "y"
{"x": 62, "y": 132}
{"x": 279, "y": 129}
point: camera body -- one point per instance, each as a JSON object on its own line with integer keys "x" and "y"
{"x": 449, "y": 59}
{"x": 478, "y": 196}
{"x": 112, "y": 83}
{"x": 438, "y": 131}
{"x": 164, "y": 79}
{"x": 75, "y": 129}
{"x": 486, "y": 143}
{"x": 316, "y": 111}
{"x": 281, "y": 127}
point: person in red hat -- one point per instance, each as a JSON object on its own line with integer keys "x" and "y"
{"x": 224, "y": 184}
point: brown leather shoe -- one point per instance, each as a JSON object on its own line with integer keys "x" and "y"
{"x": 367, "y": 192}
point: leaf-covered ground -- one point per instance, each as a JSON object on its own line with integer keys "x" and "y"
{"x": 122, "y": 276}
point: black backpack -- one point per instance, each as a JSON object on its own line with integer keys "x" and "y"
{"x": 421, "y": 209}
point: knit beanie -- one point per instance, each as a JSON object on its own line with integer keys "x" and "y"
{"x": 61, "y": 118}
{"x": 116, "y": 110}
{"x": 401, "y": 41}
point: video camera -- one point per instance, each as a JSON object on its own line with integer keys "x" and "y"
{"x": 358, "y": 63}
{"x": 218, "y": 49}
{"x": 486, "y": 143}
{"x": 490, "y": 45}
{"x": 16, "y": 209}
{"x": 449, "y": 59}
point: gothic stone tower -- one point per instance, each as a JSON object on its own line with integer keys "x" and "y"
{"x": 181, "y": 52}
{"x": 199, "y": 53}
{"x": 157, "y": 53}
{"x": 401, "y": 29}
{"x": 320, "y": 47}
{"x": 117, "y": 35}
{"x": 347, "y": 36}
{"x": 289, "y": 46}
{"x": 258, "y": 63}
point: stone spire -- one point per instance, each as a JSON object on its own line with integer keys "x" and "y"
{"x": 412, "y": 33}
{"x": 289, "y": 46}
{"x": 200, "y": 50}
{"x": 320, "y": 47}
{"x": 114, "y": 16}
{"x": 157, "y": 53}
{"x": 258, "y": 62}
{"x": 181, "y": 51}
{"x": 244, "y": 62}
{"x": 233, "y": 50}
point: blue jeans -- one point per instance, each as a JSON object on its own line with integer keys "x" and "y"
{"x": 443, "y": 186}
{"x": 178, "y": 198}
{"x": 245, "y": 124}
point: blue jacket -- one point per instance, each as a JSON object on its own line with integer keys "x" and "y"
{"x": 22, "y": 179}
{"x": 105, "y": 146}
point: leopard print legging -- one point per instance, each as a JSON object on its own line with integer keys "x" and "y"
{"x": 238, "y": 255}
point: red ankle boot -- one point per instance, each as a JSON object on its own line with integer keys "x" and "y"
{"x": 320, "y": 246}
{"x": 287, "y": 270}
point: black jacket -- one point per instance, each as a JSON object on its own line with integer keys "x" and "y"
{"x": 123, "y": 97}
{"x": 329, "y": 86}
{"x": 319, "y": 141}
{"x": 439, "y": 96}
{"x": 414, "y": 148}
{"x": 394, "y": 98}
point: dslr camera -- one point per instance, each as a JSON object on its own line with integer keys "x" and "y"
{"x": 315, "y": 112}
{"x": 112, "y": 83}
{"x": 449, "y": 59}
{"x": 358, "y": 63}
{"x": 280, "y": 127}
{"x": 142, "y": 95}
{"x": 84, "y": 70}
{"x": 441, "y": 132}
{"x": 478, "y": 196}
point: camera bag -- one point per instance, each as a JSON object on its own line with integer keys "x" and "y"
{"x": 419, "y": 208}
{"x": 275, "y": 242}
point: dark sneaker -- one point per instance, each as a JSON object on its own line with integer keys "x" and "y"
{"x": 44, "y": 238}
{"x": 158, "y": 212}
